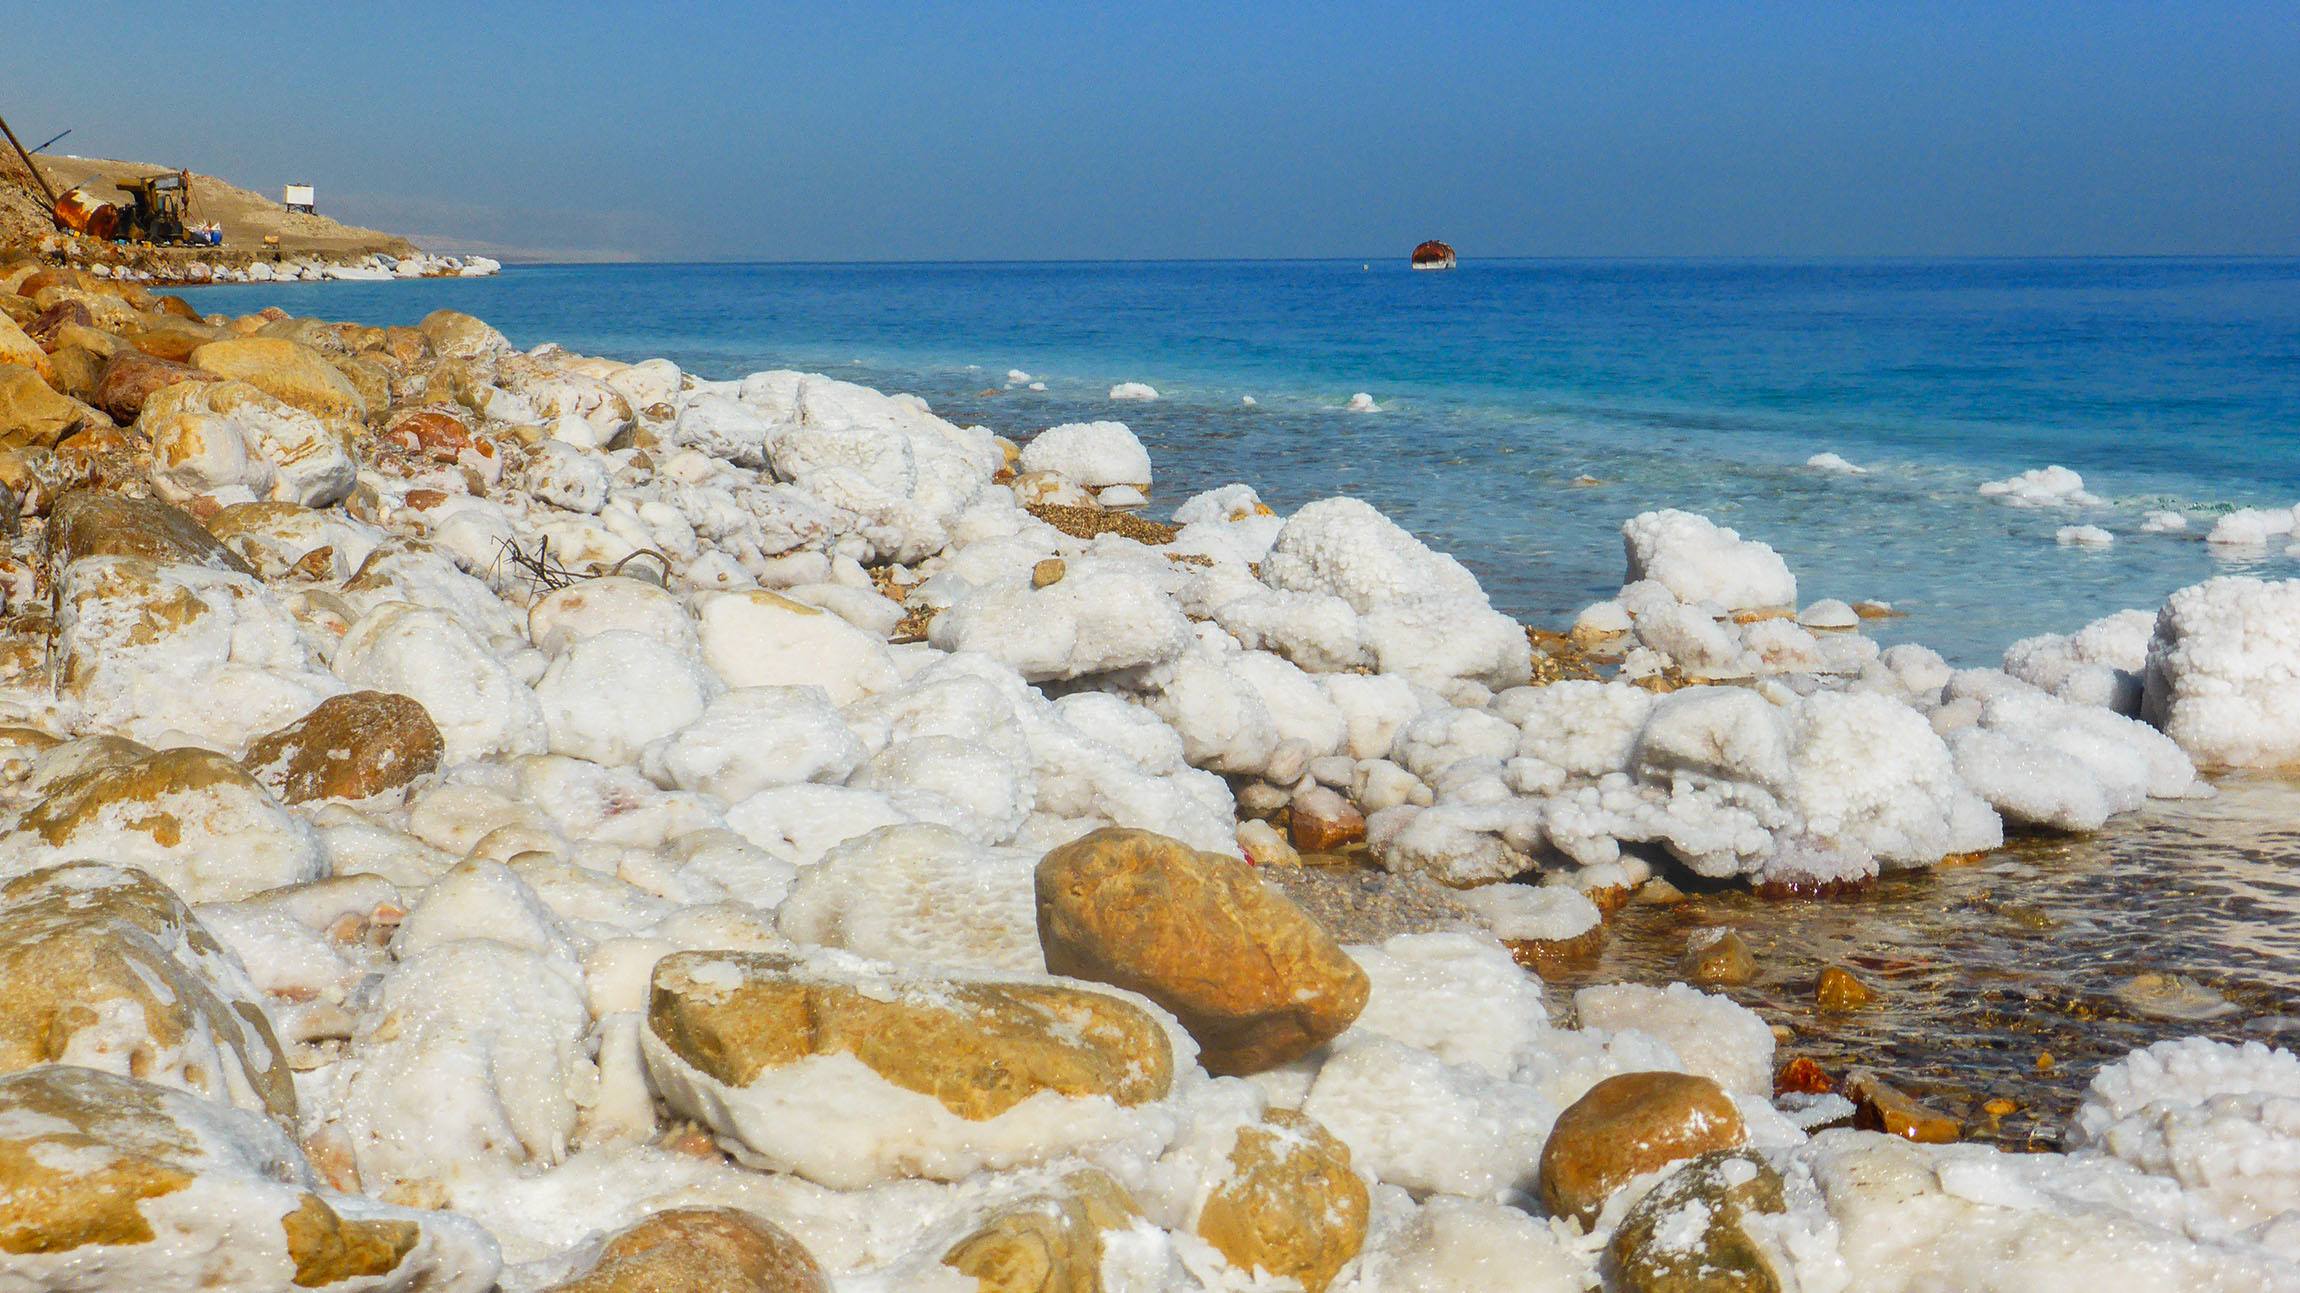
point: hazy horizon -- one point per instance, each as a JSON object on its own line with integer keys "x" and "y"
{"x": 1028, "y": 132}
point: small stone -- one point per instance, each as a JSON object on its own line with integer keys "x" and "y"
{"x": 1658, "y": 892}
{"x": 1999, "y": 1107}
{"x": 1048, "y": 1243}
{"x": 1322, "y": 821}
{"x": 1627, "y": 1125}
{"x": 1290, "y": 1205}
{"x": 1803, "y": 1077}
{"x": 1717, "y": 958}
{"x": 1261, "y": 799}
{"x": 1048, "y": 572}
{"x": 1690, "y": 1234}
{"x": 1251, "y": 976}
{"x": 1264, "y": 846}
{"x": 702, "y": 1250}
{"x": 1837, "y": 989}
{"x": 1878, "y": 1105}
{"x": 351, "y": 746}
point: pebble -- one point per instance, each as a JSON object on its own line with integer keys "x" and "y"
{"x": 1717, "y": 958}
{"x": 1837, "y": 989}
{"x": 1878, "y": 1105}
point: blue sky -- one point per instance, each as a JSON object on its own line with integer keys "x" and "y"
{"x": 1017, "y": 130}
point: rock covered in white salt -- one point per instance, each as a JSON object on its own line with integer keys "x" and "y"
{"x": 751, "y": 738}
{"x": 2054, "y": 486}
{"x": 481, "y": 707}
{"x": 1698, "y": 560}
{"x": 2082, "y": 536}
{"x": 1829, "y": 613}
{"x": 1714, "y": 1037}
{"x": 759, "y": 639}
{"x": 1317, "y": 631}
{"x": 1141, "y": 391}
{"x": 1092, "y": 454}
{"x": 1834, "y": 464}
{"x": 1547, "y": 913}
{"x": 1100, "y": 616}
{"x": 920, "y": 895}
{"x": 2163, "y": 523}
{"x": 2253, "y": 527}
{"x": 2223, "y": 675}
{"x": 1415, "y": 1120}
{"x": 1450, "y": 1244}
{"x": 1362, "y": 402}
{"x": 610, "y": 695}
{"x": 1225, "y": 503}
{"x": 2100, "y": 664}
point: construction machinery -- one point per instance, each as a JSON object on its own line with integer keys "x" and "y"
{"x": 155, "y": 208}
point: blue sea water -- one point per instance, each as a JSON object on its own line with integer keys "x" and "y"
{"x": 1705, "y": 385}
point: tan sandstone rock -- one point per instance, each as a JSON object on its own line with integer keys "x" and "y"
{"x": 291, "y": 373}
{"x": 1048, "y": 1243}
{"x": 1253, "y": 978}
{"x": 18, "y": 348}
{"x": 1290, "y": 1204}
{"x": 32, "y": 414}
{"x": 352, "y": 746}
{"x": 455, "y": 335}
{"x": 701, "y": 1250}
{"x": 1629, "y": 1124}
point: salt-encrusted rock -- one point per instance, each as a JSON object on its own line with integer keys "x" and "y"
{"x": 897, "y": 1074}
{"x": 455, "y": 335}
{"x": 105, "y": 968}
{"x": 1254, "y": 978}
{"x": 113, "y": 1183}
{"x": 1698, "y": 560}
{"x": 1051, "y": 1242}
{"x": 2054, "y": 486}
{"x": 1100, "y": 617}
{"x": 1712, "y": 1035}
{"x": 1320, "y": 821}
{"x": 755, "y": 638}
{"x": 1290, "y": 1205}
{"x": 165, "y": 652}
{"x": 1691, "y": 1234}
{"x": 481, "y": 707}
{"x": 751, "y": 739}
{"x": 701, "y": 1250}
{"x": 920, "y": 894}
{"x": 609, "y": 695}
{"x": 191, "y": 818}
{"x": 351, "y": 746}
{"x": 33, "y": 415}
{"x": 229, "y": 441}
{"x": 1092, "y": 454}
{"x": 1628, "y": 1125}
{"x": 289, "y": 372}
{"x": 285, "y": 541}
{"x": 2223, "y": 676}
{"x": 89, "y": 523}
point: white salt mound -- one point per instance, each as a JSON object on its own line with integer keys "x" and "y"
{"x": 2082, "y": 536}
{"x": 1363, "y": 403}
{"x": 2041, "y": 487}
{"x": 1830, "y": 462}
{"x": 1133, "y": 391}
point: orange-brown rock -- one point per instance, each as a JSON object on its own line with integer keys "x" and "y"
{"x": 979, "y": 1048}
{"x": 434, "y": 433}
{"x": 88, "y": 523}
{"x": 1837, "y": 989}
{"x": 289, "y": 372}
{"x": 1046, "y": 1243}
{"x": 702, "y": 1250}
{"x": 1878, "y": 1105}
{"x": 1290, "y": 1204}
{"x": 178, "y": 307}
{"x": 1627, "y": 1125}
{"x": 1804, "y": 1077}
{"x": 32, "y": 414}
{"x": 351, "y": 746}
{"x": 1253, "y": 977}
{"x": 131, "y": 377}
{"x": 17, "y": 348}
{"x": 51, "y": 321}
{"x": 1717, "y": 958}
{"x": 75, "y": 371}
{"x": 1321, "y": 821}
{"x": 176, "y": 345}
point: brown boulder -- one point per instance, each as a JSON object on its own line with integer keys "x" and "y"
{"x": 1049, "y": 1243}
{"x": 1627, "y": 1125}
{"x": 1290, "y": 1204}
{"x": 45, "y": 325}
{"x": 104, "y": 966}
{"x": 1690, "y": 1235}
{"x": 77, "y": 370}
{"x": 1253, "y": 977}
{"x": 172, "y": 344}
{"x": 979, "y": 1048}
{"x": 701, "y": 1250}
{"x": 131, "y": 377}
{"x": 179, "y": 308}
{"x": 351, "y": 746}
{"x": 86, "y": 523}
{"x": 31, "y": 413}
{"x": 289, "y": 372}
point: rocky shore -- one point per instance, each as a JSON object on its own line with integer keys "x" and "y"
{"x": 474, "y": 819}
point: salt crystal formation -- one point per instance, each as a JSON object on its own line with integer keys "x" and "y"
{"x": 482, "y": 819}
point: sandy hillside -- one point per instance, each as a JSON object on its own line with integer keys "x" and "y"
{"x": 246, "y": 216}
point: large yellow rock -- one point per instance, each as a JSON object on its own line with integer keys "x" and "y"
{"x": 702, "y": 1250}
{"x": 31, "y": 413}
{"x": 455, "y": 335}
{"x": 1047, "y": 1243}
{"x": 1627, "y": 1125}
{"x": 16, "y": 347}
{"x": 352, "y": 746}
{"x": 111, "y": 1183}
{"x": 1254, "y": 978}
{"x": 288, "y": 372}
{"x": 1290, "y": 1204}
{"x": 105, "y": 968}
{"x": 979, "y": 1048}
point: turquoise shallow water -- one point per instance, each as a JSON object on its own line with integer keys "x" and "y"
{"x": 2167, "y": 383}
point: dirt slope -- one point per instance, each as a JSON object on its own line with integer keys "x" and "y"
{"x": 245, "y": 215}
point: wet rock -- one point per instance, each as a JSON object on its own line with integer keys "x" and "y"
{"x": 701, "y": 1250}
{"x": 111, "y": 1183}
{"x": 131, "y": 377}
{"x": 293, "y": 374}
{"x": 1048, "y": 1243}
{"x": 1321, "y": 821}
{"x": 352, "y": 746}
{"x": 105, "y": 968}
{"x": 32, "y": 414}
{"x": 1804, "y": 1077}
{"x": 1290, "y": 1204}
{"x": 1878, "y": 1105}
{"x": 1253, "y": 978}
{"x": 1690, "y": 1234}
{"x": 1627, "y": 1125}
{"x": 2158, "y": 995}
{"x": 1717, "y": 958}
{"x": 1837, "y": 989}
{"x": 89, "y": 523}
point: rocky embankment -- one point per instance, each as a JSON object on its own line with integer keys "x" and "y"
{"x": 478, "y": 819}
